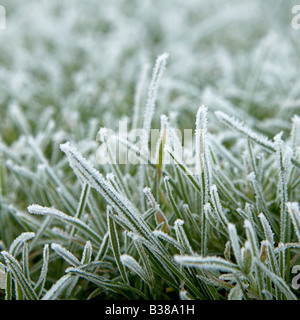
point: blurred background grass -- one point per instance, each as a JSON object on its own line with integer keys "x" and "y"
{"x": 82, "y": 59}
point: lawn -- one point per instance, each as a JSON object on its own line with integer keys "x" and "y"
{"x": 149, "y": 150}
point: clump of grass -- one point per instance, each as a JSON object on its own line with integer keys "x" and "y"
{"x": 229, "y": 228}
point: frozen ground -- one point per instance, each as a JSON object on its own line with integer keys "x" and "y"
{"x": 68, "y": 68}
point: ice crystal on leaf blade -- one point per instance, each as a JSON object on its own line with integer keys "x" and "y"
{"x": 88, "y": 174}
{"x": 247, "y": 132}
{"x": 39, "y": 210}
{"x": 294, "y": 212}
{"x": 19, "y": 241}
{"x": 203, "y": 165}
{"x": 152, "y": 93}
{"x": 214, "y": 263}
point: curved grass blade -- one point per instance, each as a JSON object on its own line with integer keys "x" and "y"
{"x": 39, "y": 210}
{"x": 19, "y": 277}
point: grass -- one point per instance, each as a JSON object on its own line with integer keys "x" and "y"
{"x": 221, "y": 223}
